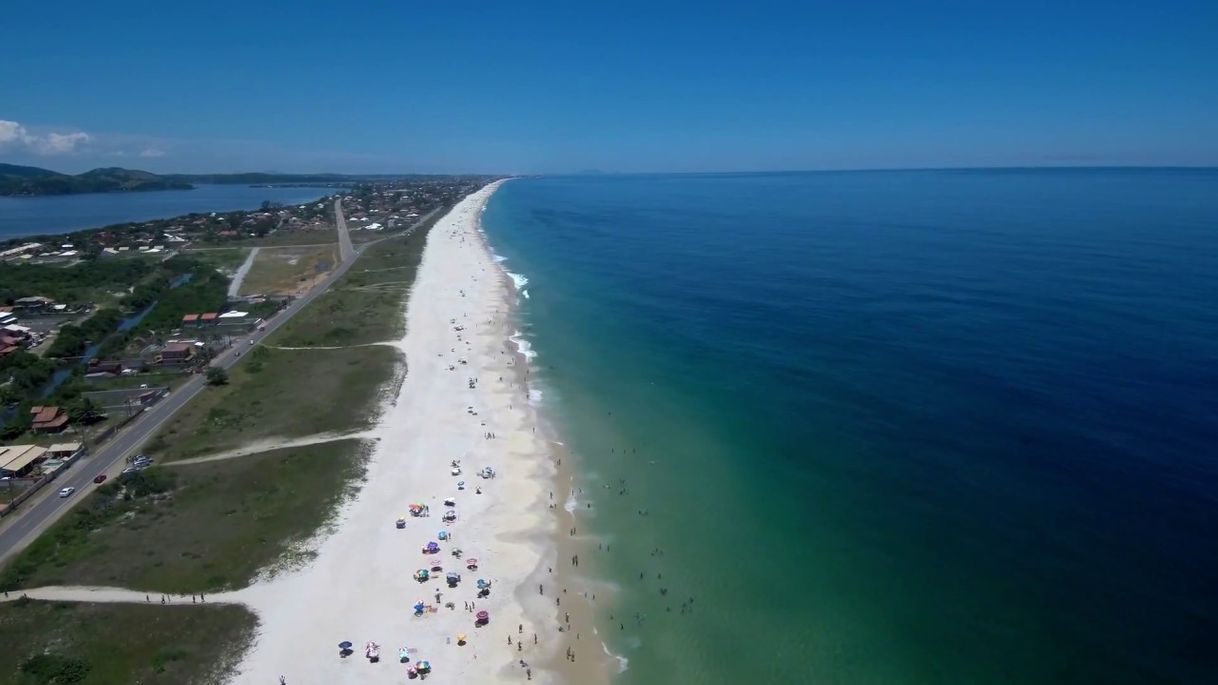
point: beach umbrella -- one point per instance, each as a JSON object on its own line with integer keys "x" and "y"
{"x": 460, "y": 638}
{"x": 344, "y": 645}
{"x": 423, "y": 666}
{"x": 442, "y": 535}
{"x": 418, "y": 609}
{"x": 483, "y": 616}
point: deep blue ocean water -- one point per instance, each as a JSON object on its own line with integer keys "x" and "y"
{"x": 886, "y": 427}
{"x": 22, "y": 216}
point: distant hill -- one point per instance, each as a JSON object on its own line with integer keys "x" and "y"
{"x": 29, "y": 180}
{"x": 258, "y": 178}
{"x": 261, "y": 178}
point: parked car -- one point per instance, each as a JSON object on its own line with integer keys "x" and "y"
{"x": 67, "y": 492}
{"x": 129, "y": 470}
{"x": 99, "y": 478}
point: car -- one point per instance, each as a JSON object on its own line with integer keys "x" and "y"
{"x": 251, "y": 341}
{"x": 67, "y": 492}
{"x": 130, "y": 470}
{"x": 99, "y": 478}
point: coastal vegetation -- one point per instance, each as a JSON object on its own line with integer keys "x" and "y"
{"x": 28, "y": 180}
{"x": 194, "y": 527}
{"x": 72, "y": 339}
{"x": 277, "y": 393}
{"x": 58, "y": 643}
{"x": 89, "y": 281}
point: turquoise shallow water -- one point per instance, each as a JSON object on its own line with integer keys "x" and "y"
{"x": 887, "y": 427}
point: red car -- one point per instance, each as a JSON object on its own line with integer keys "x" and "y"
{"x": 100, "y": 478}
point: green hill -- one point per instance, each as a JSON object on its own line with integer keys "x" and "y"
{"x": 28, "y": 180}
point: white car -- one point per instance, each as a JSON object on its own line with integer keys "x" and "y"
{"x": 67, "y": 492}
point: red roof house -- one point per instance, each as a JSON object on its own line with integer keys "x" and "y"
{"x": 48, "y": 419}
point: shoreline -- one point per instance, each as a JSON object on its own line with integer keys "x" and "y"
{"x": 574, "y": 619}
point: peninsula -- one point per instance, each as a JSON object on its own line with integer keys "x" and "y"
{"x": 31, "y": 180}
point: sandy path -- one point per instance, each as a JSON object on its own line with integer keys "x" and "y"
{"x": 333, "y": 347}
{"x": 260, "y": 446}
{"x": 360, "y": 586}
{"x": 114, "y": 595}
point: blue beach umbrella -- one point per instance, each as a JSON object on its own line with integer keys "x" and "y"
{"x": 344, "y": 645}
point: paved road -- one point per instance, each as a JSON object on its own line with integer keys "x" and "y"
{"x": 345, "y": 251}
{"x": 37, "y": 513}
{"x": 234, "y": 286}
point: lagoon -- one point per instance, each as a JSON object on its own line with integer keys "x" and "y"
{"x": 53, "y": 214}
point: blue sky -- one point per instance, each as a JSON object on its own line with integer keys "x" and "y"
{"x": 520, "y": 87}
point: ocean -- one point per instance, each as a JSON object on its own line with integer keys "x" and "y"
{"x": 885, "y": 427}
{"x": 51, "y": 214}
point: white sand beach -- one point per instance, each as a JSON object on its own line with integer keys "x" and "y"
{"x": 461, "y": 385}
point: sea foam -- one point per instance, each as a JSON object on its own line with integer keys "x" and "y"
{"x": 523, "y": 346}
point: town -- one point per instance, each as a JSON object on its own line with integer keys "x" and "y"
{"x": 99, "y": 325}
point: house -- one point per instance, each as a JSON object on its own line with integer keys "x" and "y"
{"x": 63, "y": 450}
{"x": 208, "y": 319}
{"x": 190, "y": 320}
{"x": 98, "y": 368}
{"x": 48, "y": 419}
{"x": 34, "y": 303}
{"x": 236, "y": 318}
{"x": 176, "y": 352}
{"x": 17, "y": 461}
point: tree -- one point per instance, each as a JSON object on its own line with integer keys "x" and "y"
{"x": 83, "y": 410}
{"x": 216, "y": 376}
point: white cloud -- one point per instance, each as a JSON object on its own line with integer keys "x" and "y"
{"x": 152, "y": 152}
{"x": 15, "y": 136}
{"x": 12, "y": 133}
{"x": 59, "y": 143}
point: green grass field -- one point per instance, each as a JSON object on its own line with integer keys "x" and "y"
{"x": 224, "y": 259}
{"x": 282, "y": 393}
{"x": 103, "y": 644}
{"x": 197, "y": 527}
{"x": 279, "y": 271}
